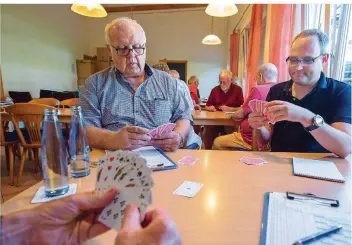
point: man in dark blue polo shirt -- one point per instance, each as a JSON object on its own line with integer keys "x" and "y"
{"x": 310, "y": 112}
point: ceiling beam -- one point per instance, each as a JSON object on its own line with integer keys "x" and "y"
{"x": 149, "y": 7}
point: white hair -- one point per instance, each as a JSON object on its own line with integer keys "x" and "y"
{"x": 269, "y": 71}
{"x": 120, "y": 23}
{"x": 225, "y": 73}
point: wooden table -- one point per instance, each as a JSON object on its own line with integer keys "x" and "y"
{"x": 217, "y": 118}
{"x": 228, "y": 208}
{"x": 64, "y": 115}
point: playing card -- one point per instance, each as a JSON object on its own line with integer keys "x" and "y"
{"x": 188, "y": 189}
{"x": 252, "y": 161}
{"x": 257, "y": 105}
{"x": 129, "y": 173}
{"x": 113, "y": 213}
{"x": 165, "y": 128}
{"x": 188, "y": 160}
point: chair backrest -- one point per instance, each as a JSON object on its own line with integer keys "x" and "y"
{"x": 20, "y": 97}
{"x": 44, "y": 93}
{"x": 70, "y": 102}
{"x": 45, "y": 101}
{"x": 64, "y": 95}
{"x": 31, "y": 115}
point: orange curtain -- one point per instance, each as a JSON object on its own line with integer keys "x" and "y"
{"x": 281, "y": 34}
{"x": 234, "y": 54}
{"x": 254, "y": 46}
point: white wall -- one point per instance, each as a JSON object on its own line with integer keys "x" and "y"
{"x": 176, "y": 36}
{"x": 40, "y": 44}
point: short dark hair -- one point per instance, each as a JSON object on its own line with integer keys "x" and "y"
{"x": 322, "y": 38}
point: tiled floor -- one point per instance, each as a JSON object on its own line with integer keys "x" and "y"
{"x": 29, "y": 177}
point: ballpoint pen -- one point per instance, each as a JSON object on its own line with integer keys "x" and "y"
{"x": 317, "y": 235}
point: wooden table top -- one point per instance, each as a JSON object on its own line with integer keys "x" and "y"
{"x": 228, "y": 209}
{"x": 217, "y": 118}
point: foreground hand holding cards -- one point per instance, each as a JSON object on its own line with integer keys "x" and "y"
{"x": 130, "y": 174}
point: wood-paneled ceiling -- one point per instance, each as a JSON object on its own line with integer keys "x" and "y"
{"x": 115, "y": 8}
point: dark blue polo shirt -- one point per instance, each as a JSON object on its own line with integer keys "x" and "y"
{"x": 331, "y": 99}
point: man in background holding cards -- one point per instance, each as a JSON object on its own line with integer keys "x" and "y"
{"x": 121, "y": 104}
{"x": 266, "y": 77}
{"x": 227, "y": 97}
{"x": 310, "y": 112}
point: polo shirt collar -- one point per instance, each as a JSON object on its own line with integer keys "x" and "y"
{"x": 147, "y": 70}
{"x": 322, "y": 84}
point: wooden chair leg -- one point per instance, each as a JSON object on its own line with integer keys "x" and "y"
{"x": 7, "y": 154}
{"x": 2, "y": 197}
{"x": 20, "y": 171}
{"x": 11, "y": 163}
{"x": 36, "y": 159}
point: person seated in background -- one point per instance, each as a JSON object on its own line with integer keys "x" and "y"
{"x": 266, "y": 77}
{"x": 174, "y": 74}
{"x": 74, "y": 220}
{"x": 193, "y": 83}
{"x": 310, "y": 112}
{"x": 225, "y": 97}
{"x": 122, "y": 103}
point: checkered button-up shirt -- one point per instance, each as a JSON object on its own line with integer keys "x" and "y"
{"x": 109, "y": 101}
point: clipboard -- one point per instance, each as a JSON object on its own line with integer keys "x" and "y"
{"x": 155, "y": 156}
{"x": 330, "y": 205}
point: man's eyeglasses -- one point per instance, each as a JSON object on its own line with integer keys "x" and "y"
{"x": 304, "y": 61}
{"x": 124, "y": 51}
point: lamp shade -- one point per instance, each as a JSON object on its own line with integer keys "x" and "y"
{"x": 211, "y": 40}
{"x": 89, "y": 10}
{"x": 221, "y": 10}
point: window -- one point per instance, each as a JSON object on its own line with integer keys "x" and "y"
{"x": 347, "y": 73}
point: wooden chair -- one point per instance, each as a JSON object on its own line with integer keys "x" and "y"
{"x": 69, "y": 102}
{"x": 255, "y": 146}
{"x": 45, "y": 101}
{"x": 31, "y": 115}
{"x": 10, "y": 146}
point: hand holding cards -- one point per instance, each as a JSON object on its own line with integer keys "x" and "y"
{"x": 259, "y": 106}
{"x": 165, "y": 128}
{"x": 130, "y": 174}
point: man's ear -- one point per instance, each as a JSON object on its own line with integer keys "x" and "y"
{"x": 325, "y": 58}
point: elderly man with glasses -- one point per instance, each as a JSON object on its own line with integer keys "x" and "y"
{"x": 310, "y": 112}
{"x": 123, "y": 103}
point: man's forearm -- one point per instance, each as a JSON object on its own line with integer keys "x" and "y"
{"x": 101, "y": 138}
{"x": 333, "y": 140}
{"x": 183, "y": 127}
{"x": 18, "y": 228}
{"x": 331, "y": 137}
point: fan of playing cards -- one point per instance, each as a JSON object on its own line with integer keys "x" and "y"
{"x": 130, "y": 174}
{"x": 165, "y": 128}
{"x": 258, "y": 106}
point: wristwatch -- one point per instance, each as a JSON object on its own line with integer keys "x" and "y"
{"x": 318, "y": 121}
